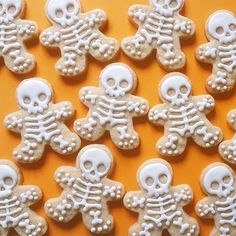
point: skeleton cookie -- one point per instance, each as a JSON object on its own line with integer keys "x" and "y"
{"x": 15, "y": 200}
{"x": 76, "y": 34}
{"x": 13, "y": 31}
{"x": 227, "y": 148}
{"x": 87, "y": 190}
{"x": 159, "y": 205}
{"x": 40, "y": 122}
{"x": 218, "y": 182}
{"x": 112, "y": 107}
{"x": 183, "y": 116}
{"x": 221, "y": 51}
{"x": 160, "y": 28}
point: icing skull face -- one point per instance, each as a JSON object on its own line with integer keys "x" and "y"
{"x": 8, "y": 180}
{"x": 176, "y": 90}
{"x": 63, "y": 12}
{"x": 167, "y": 7}
{"x": 222, "y": 26}
{"x": 9, "y": 9}
{"x": 155, "y": 178}
{"x": 34, "y": 96}
{"x": 117, "y": 80}
{"x": 219, "y": 181}
{"x": 94, "y": 164}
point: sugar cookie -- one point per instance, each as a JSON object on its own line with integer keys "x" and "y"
{"x": 183, "y": 116}
{"x": 218, "y": 183}
{"x": 76, "y": 34}
{"x": 160, "y": 27}
{"x": 87, "y": 190}
{"x": 40, "y": 122}
{"x": 15, "y": 202}
{"x": 112, "y": 107}
{"x": 13, "y": 32}
{"x": 220, "y": 51}
{"x": 160, "y": 206}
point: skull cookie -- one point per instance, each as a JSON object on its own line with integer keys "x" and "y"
{"x": 220, "y": 51}
{"x": 183, "y": 116}
{"x": 15, "y": 200}
{"x": 40, "y": 122}
{"x": 87, "y": 190}
{"x": 160, "y": 27}
{"x": 218, "y": 182}
{"x": 112, "y": 107}
{"x": 12, "y": 34}
{"x": 76, "y": 34}
{"x": 159, "y": 205}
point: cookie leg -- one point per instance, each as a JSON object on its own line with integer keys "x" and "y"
{"x": 29, "y": 151}
{"x": 223, "y": 231}
{"x": 71, "y": 64}
{"x": 33, "y": 225}
{"x": 141, "y": 229}
{"x": 65, "y": 143}
{"x": 136, "y": 47}
{"x": 171, "y": 145}
{"x": 19, "y": 61}
{"x": 207, "y": 136}
{"x": 227, "y": 150}
{"x": 125, "y": 137}
{"x": 220, "y": 82}
{"x": 89, "y": 128}
{"x": 170, "y": 57}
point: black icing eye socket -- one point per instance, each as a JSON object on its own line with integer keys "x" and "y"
{"x": 171, "y": 92}
{"x": 1, "y": 7}
{"x": 219, "y": 30}
{"x": 8, "y": 181}
{"x": 59, "y": 13}
{"x": 183, "y": 89}
{"x": 173, "y": 4}
{"x": 42, "y": 97}
{"x": 226, "y": 179}
{"x": 149, "y": 181}
{"x": 26, "y": 100}
{"x": 163, "y": 178}
{"x": 215, "y": 185}
{"x": 101, "y": 168}
{"x": 11, "y": 9}
{"x": 88, "y": 165}
{"x": 232, "y": 27}
{"x": 70, "y": 8}
{"x": 111, "y": 82}
{"x": 161, "y": 2}
{"x": 124, "y": 84}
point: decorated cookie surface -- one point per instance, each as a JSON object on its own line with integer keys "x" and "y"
{"x": 220, "y": 51}
{"x": 183, "y": 116}
{"x": 112, "y": 107}
{"x": 160, "y": 28}
{"x": 218, "y": 183}
{"x": 40, "y": 122}
{"x": 76, "y": 34}
{"x": 160, "y": 205}
{"x": 87, "y": 189}
{"x": 13, "y": 32}
{"x": 15, "y": 202}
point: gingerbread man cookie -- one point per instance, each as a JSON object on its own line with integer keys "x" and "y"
{"x": 227, "y": 148}
{"x": 76, "y": 34}
{"x": 87, "y": 190}
{"x": 220, "y": 51}
{"x": 160, "y": 206}
{"x": 160, "y": 28}
{"x": 40, "y": 122}
{"x": 112, "y": 107}
{"x": 13, "y": 32}
{"x": 15, "y": 200}
{"x": 183, "y": 116}
{"x": 218, "y": 183}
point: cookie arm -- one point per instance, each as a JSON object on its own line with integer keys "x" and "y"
{"x": 89, "y": 96}
{"x": 139, "y": 13}
{"x": 29, "y": 194}
{"x": 95, "y": 18}
{"x": 14, "y": 122}
{"x": 231, "y": 118}
{"x": 207, "y": 53}
{"x": 183, "y": 194}
{"x": 137, "y": 106}
{"x": 26, "y": 29}
{"x": 205, "y": 208}
{"x": 158, "y": 115}
{"x": 204, "y": 103}
{"x": 135, "y": 201}
{"x": 113, "y": 190}
{"x": 184, "y": 26}
{"x": 63, "y": 110}
{"x": 51, "y": 37}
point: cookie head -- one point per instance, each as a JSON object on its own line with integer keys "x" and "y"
{"x": 63, "y": 12}
{"x": 8, "y": 180}
{"x": 222, "y": 27}
{"x": 167, "y": 7}
{"x": 10, "y": 9}
{"x": 95, "y": 163}
{"x": 175, "y": 89}
{"x": 34, "y": 95}
{"x": 117, "y": 80}
{"x": 155, "y": 178}
{"x": 218, "y": 181}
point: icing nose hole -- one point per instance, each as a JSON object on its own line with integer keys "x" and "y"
{"x": 227, "y": 34}
{"x": 67, "y": 17}
{"x": 92, "y": 172}
{"x": 36, "y": 104}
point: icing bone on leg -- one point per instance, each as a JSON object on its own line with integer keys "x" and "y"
{"x": 183, "y": 116}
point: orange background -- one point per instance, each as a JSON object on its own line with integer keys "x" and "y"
{"x": 187, "y": 168}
